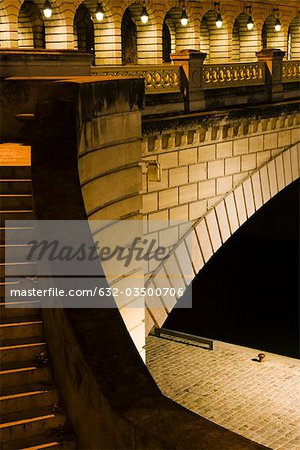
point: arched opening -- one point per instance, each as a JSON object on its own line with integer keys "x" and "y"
{"x": 176, "y": 36}
{"x": 293, "y": 44}
{"x": 31, "y": 30}
{"x": 271, "y": 38}
{"x": 262, "y": 256}
{"x": 244, "y": 41}
{"x": 129, "y": 39}
{"x": 167, "y": 42}
{"x": 84, "y": 30}
{"x": 213, "y": 40}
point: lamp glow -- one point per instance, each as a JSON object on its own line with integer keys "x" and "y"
{"x": 219, "y": 21}
{"x": 144, "y": 15}
{"x": 99, "y": 13}
{"x": 250, "y": 23}
{"x": 277, "y": 25}
{"x": 47, "y": 10}
{"x": 184, "y": 18}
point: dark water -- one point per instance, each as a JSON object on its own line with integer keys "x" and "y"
{"x": 248, "y": 293}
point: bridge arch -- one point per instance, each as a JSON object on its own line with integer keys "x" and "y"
{"x": 214, "y": 41}
{"x": 215, "y": 227}
{"x": 293, "y": 44}
{"x": 84, "y": 30}
{"x": 244, "y": 41}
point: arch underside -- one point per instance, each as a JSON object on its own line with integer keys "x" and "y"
{"x": 210, "y": 232}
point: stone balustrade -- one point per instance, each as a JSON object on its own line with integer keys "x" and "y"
{"x": 290, "y": 71}
{"x": 228, "y": 75}
{"x": 161, "y": 78}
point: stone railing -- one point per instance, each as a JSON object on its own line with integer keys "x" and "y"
{"x": 230, "y": 75}
{"x": 290, "y": 71}
{"x": 160, "y": 78}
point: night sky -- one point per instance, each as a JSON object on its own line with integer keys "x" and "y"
{"x": 248, "y": 293}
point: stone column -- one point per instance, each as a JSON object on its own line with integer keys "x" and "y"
{"x": 273, "y": 58}
{"x": 191, "y": 62}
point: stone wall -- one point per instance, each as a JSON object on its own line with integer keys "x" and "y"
{"x": 111, "y": 399}
{"x": 202, "y": 160}
{"x": 200, "y": 33}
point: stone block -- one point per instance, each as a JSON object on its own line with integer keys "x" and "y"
{"x": 206, "y": 189}
{"x": 265, "y": 187}
{"x": 223, "y": 221}
{"x": 263, "y": 157}
{"x": 178, "y": 176}
{"x": 213, "y": 230}
{"x": 179, "y": 213}
{"x": 198, "y": 172}
{"x": 256, "y": 144}
{"x": 197, "y": 209}
{"x": 240, "y": 146}
{"x": 295, "y": 136}
{"x": 249, "y": 198}
{"x": 270, "y": 141}
{"x": 232, "y": 213}
{"x": 284, "y": 138}
{"x": 216, "y": 168}
{"x": 240, "y": 204}
{"x": 150, "y": 202}
{"x": 157, "y": 221}
{"x": 207, "y": 153}
{"x": 168, "y": 198}
{"x": 280, "y": 172}
{"x": 257, "y": 193}
{"x": 272, "y": 178}
{"x": 224, "y": 149}
{"x": 204, "y": 241}
{"x": 232, "y": 165}
{"x": 248, "y": 162}
{"x": 224, "y": 185}
{"x": 168, "y": 160}
{"x": 188, "y": 193}
{"x": 187, "y": 157}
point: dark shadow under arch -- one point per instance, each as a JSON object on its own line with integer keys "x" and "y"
{"x": 248, "y": 293}
{"x": 129, "y": 39}
{"x": 84, "y": 30}
{"x": 167, "y": 43}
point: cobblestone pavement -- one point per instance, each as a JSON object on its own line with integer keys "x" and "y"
{"x": 260, "y": 401}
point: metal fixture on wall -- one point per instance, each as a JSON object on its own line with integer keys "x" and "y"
{"x": 99, "y": 12}
{"x": 184, "y": 18}
{"x": 144, "y": 14}
{"x": 219, "y": 20}
{"x": 47, "y": 9}
{"x": 250, "y": 22}
{"x": 277, "y": 23}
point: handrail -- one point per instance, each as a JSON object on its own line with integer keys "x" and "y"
{"x": 161, "y": 78}
{"x": 290, "y": 71}
{"x": 233, "y": 74}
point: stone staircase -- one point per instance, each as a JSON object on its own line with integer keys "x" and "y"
{"x": 30, "y": 414}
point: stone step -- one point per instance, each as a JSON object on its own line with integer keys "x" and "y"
{"x": 14, "y": 252}
{"x": 22, "y": 398}
{"x": 19, "y": 308}
{"x": 15, "y": 172}
{"x": 22, "y": 329}
{"x": 41, "y": 442}
{"x": 15, "y": 186}
{"x": 13, "y": 350}
{"x": 18, "y": 268}
{"x": 15, "y": 202}
{"x": 17, "y": 233}
{"x": 25, "y": 117}
{"x": 24, "y": 214}
{"x": 26, "y": 372}
{"x": 18, "y": 425}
